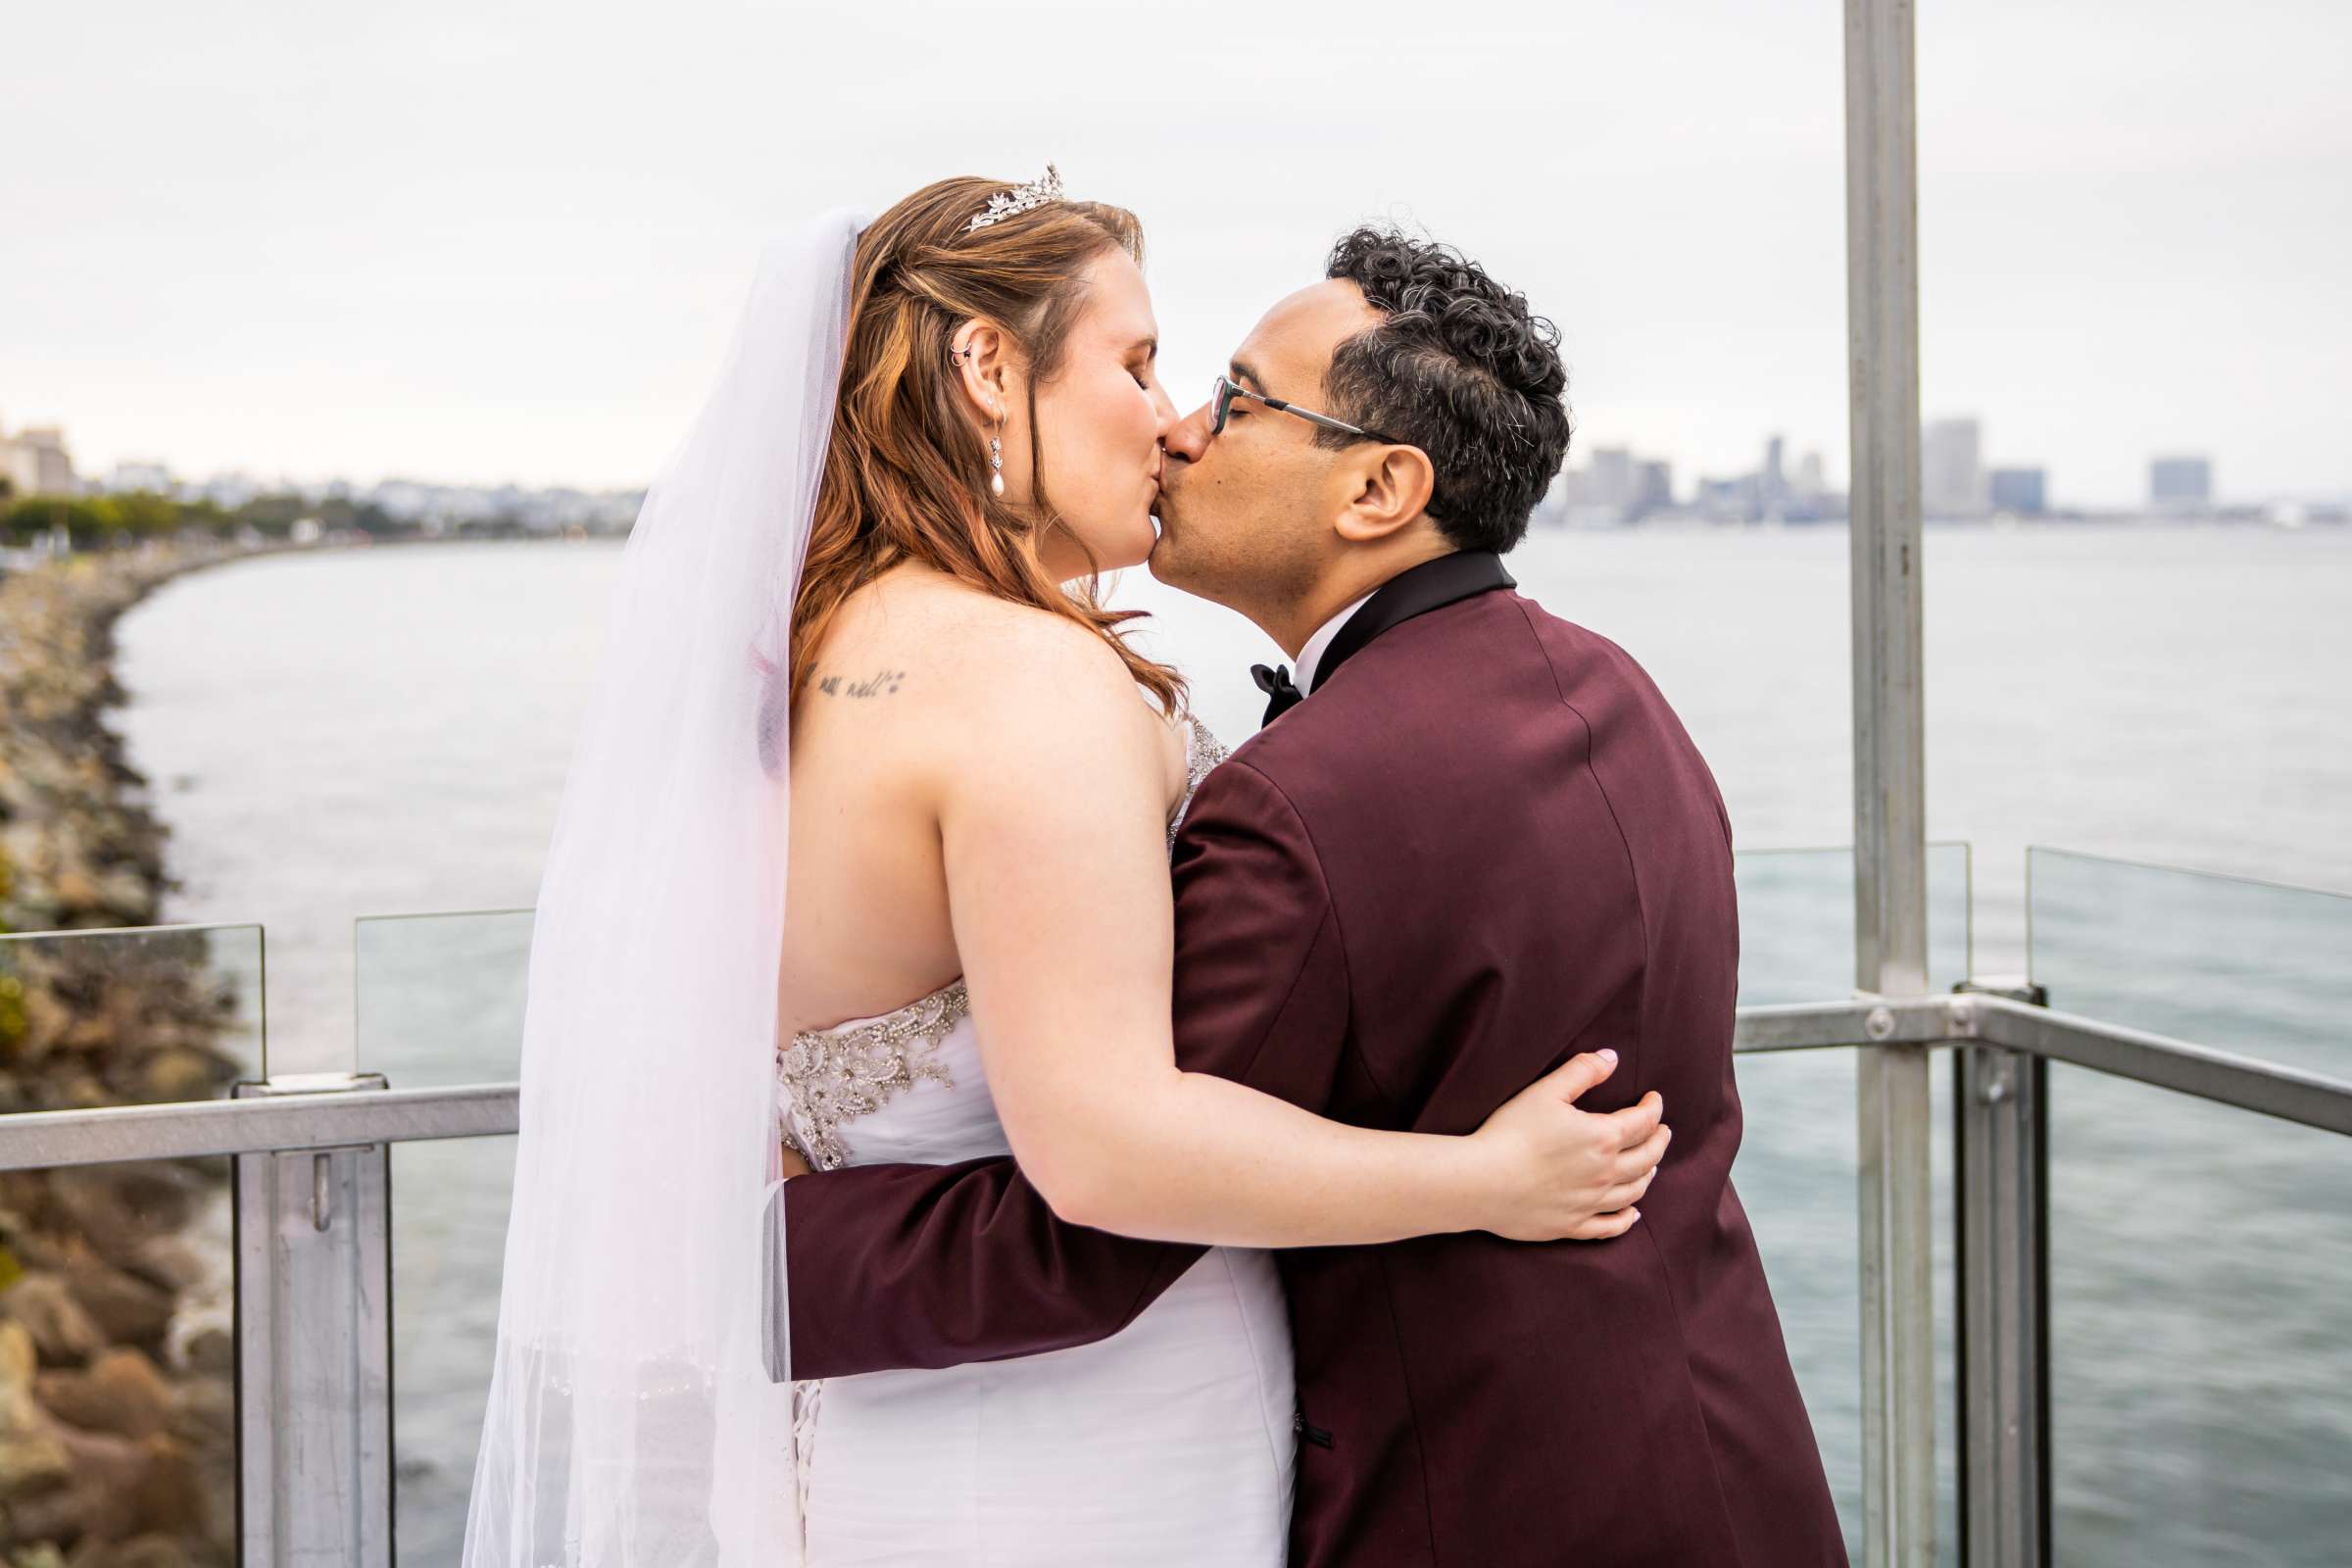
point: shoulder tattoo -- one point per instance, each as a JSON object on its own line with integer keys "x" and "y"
{"x": 881, "y": 684}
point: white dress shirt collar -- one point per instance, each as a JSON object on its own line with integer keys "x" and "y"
{"x": 1320, "y": 644}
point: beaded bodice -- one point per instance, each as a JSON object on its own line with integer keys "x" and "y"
{"x": 829, "y": 1079}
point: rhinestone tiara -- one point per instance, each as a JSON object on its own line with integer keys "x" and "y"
{"x": 1019, "y": 198}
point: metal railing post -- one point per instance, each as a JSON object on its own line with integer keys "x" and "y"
{"x": 314, "y": 1346}
{"x": 2000, "y": 1167}
{"x": 1890, "y": 936}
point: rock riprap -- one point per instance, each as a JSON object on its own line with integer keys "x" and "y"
{"x": 117, "y": 1402}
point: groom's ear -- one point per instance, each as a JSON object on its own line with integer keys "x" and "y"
{"x": 984, "y": 358}
{"x": 1391, "y": 486}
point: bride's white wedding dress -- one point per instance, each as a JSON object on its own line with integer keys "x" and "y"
{"x": 1168, "y": 1443}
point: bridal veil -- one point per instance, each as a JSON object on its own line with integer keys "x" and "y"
{"x": 632, "y": 1419}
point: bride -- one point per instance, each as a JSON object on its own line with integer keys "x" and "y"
{"x": 864, "y": 589}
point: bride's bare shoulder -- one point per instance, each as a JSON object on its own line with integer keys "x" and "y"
{"x": 971, "y": 656}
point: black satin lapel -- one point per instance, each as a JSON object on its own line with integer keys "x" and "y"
{"x": 1414, "y": 591}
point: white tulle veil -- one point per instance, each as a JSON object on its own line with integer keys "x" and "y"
{"x": 632, "y": 1419}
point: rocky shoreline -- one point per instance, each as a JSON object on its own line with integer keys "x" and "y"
{"x": 117, "y": 1441}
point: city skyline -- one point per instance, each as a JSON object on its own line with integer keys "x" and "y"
{"x": 1614, "y": 485}
{"x": 1943, "y": 496}
{"x": 444, "y": 241}
{"x": 1599, "y": 486}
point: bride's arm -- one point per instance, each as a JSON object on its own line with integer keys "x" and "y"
{"x": 1058, "y": 879}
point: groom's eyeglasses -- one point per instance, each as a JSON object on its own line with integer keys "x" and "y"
{"x": 1227, "y": 391}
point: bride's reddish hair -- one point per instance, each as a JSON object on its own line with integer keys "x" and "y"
{"x": 905, "y": 475}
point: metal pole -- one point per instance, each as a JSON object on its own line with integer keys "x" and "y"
{"x": 314, "y": 1347}
{"x": 1890, "y": 925}
{"x": 2001, "y": 1175}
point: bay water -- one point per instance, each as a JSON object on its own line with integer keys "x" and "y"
{"x": 362, "y": 733}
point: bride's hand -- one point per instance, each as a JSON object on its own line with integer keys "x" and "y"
{"x": 793, "y": 1164}
{"x": 1564, "y": 1174}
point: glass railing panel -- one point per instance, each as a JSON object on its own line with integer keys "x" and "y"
{"x": 2253, "y": 967}
{"x": 2200, "y": 1255}
{"x": 1796, "y": 1169}
{"x": 440, "y": 1002}
{"x": 1795, "y": 1178}
{"x": 140, "y": 1015}
{"x": 117, "y": 1282}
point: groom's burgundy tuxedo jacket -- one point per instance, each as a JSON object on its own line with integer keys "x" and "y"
{"x": 1483, "y": 844}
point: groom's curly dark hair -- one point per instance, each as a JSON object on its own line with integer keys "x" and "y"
{"x": 1461, "y": 369}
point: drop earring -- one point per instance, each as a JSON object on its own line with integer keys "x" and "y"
{"x": 996, "y": 457}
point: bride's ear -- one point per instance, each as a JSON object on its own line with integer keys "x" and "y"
{"x": 983, "y": 356}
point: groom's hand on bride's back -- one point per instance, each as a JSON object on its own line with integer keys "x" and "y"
{"x": 1564, "y": 1174}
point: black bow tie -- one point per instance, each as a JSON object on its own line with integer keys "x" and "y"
{"x": 1281, "y": 695}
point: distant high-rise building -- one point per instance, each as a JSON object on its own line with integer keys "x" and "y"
{"x": 1609, "y": 479}
{"x": 1614, "y": 487}
{"x": 2022, "y": 492}
{"x": 1810, "y": 485}
{"x": 2181, "y": 484}
{"x": 35, "y": 463}
{"x": 1653, "y": 486}
{"x": 1951, "y": 469}
{"x": 1772, "y": 481}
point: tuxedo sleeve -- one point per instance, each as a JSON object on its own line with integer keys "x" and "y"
{"x": 936, "y": 1265}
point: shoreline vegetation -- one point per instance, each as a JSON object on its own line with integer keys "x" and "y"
{"x": 91, "y": 522}
{"x": 118, "y": 1402}
{"x": 60, "y": 525}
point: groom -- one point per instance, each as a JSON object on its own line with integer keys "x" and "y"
{"x": 1471, "y": 840}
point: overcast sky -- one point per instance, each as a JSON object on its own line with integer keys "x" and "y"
{"x": 467, "y": 241}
